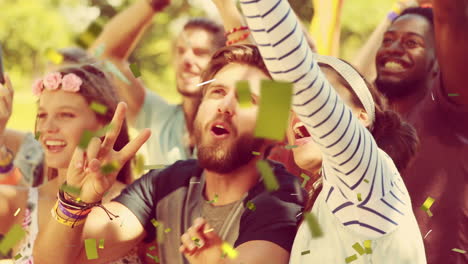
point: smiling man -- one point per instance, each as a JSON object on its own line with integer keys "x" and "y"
{"x": 220, "y": 186}
{"x": 171, "y": 124}
{"x": 421, "y": 68}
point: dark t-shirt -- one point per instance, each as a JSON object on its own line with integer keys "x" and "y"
{"x": 174, "y": 197}
{"x": 440, "y": 170}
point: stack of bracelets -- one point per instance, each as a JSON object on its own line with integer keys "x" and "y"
{"x": 74, "y": 209}
{"x": 241, "y": 38}
{"x": 6, "y": 161}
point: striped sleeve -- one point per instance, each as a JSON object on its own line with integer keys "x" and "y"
{"x": 362, "y": 185}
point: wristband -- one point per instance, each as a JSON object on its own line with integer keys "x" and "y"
{"x": 243, "y": 37}
{"x": 62, "y": 221}
{"x": 9, "y": 156}
{"x": 7, "y": 168}
{"x": 81, "y": 215}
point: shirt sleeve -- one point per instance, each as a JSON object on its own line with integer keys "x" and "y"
{"x": 274, "y": 219}
{"x": 153, "y": 108}
{"x": 356, "y": 172}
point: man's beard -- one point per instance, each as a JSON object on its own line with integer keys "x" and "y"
{"x": 397, "y": 90}
{"x": 218, "y": 157}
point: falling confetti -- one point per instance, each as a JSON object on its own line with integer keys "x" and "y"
{"x": 196, "y": 241}
{"x": 359, "y": 248}
{"x": 17, "y": 212}
{"x": 453, "y": 94}
{"x": 427, "y": 205}
{"x": 367, "y": 246}
{"x": 70, "y": 189}
{"x": 101, "y": 243}
{"x": 306, "y": 179}
{"x": 359, "y": 197}
{"x": 251, "y": 206}
{"x": 305, "y": 252}
{"x": 203, "y": 83}
{"x": 229, "y": 250}
{"x": 154, "y": 167}
{"x": 110, "y": 167}
{"x": 276, "y": 101}
{"x": 313, "y": 224}
{"x": 243, "y": 93}
{"x": 90, "y": 247}
{"x": 99, "y": 50}
{"x": 215, "y": 199}
{"x": 269, "y": 179}
{"x": 13, "y": 236}
{"x": 351, "y": 258}
{"x": 135, "y": 70}
{"x": 155, "y": 258}
{"x": 459, "y": 250}
{"x": 255, "y": 153}
{"x": 98, "y": 108}
{"x": 54, "y": 56}
{"x": 167, "y": 230}
{"x": 18, "y": 256}
{"x": 291, "y": 146}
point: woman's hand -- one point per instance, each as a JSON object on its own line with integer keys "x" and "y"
{"x": 85, "y": 169}
{"x": 6, "y": 103}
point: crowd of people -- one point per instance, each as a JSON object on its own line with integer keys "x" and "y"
{"x": 369, "y": 146}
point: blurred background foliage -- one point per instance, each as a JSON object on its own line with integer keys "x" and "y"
{"x": 29, "y": 27}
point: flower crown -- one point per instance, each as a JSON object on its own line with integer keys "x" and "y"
{"x": 52, "y": 81}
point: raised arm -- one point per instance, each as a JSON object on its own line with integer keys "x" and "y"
{"x": 451, "y": 23}
{"x": 120, "y": 37}
{"x": 61, "y": 242}
{"x": 349, "y": 151}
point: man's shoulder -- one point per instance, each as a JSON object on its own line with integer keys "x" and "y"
{"x": 289, "y": 190}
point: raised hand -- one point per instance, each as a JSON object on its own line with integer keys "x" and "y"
{"x": 84, "y": 171}
{"x": 201, "y": 244}
{"x": 6, "y": 103}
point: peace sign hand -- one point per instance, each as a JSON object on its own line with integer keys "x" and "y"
{"x": 85, "y": 168}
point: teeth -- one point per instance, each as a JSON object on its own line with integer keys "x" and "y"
{"x": 298, "y": 132}
{"x": 55, "y": 143}
{"x": 298, "y": 125}
{"x": 393, "y": 65}
{"x": 220, "y": 126}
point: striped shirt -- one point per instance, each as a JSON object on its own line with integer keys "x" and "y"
{"x": 363, "y": 188}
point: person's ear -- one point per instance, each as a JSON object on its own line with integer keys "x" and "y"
{"x": 364, "y": 118}
{"x": 434, "y": 68}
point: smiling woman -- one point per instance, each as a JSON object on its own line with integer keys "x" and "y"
{"x": 74, "y": 102}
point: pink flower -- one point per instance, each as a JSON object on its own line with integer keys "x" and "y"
{"x": 71, "y": 83}
{"x": 37, "y": 87}
{"x": 52, "y": 81}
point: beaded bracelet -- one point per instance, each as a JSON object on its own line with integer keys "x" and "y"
{"x": 241, "y": 28}
{"x": 243, "y": 37}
